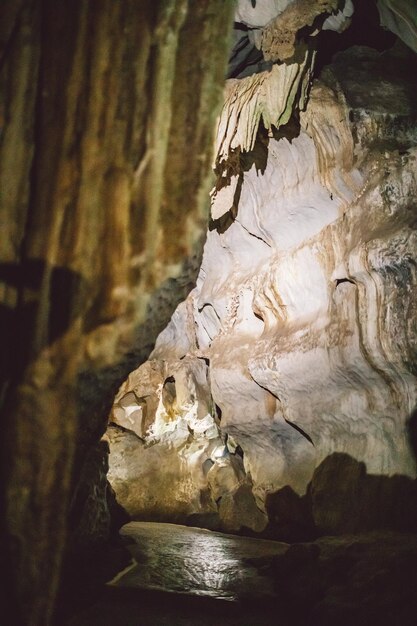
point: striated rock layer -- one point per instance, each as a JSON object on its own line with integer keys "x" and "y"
{"x": 97, "y": 100}
{"x": 297, "y": 348}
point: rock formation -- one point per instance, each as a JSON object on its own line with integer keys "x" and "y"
{"x": 284, "y": 384}
{"x": 291, "y": 367}
{"x": 100, "y": 227}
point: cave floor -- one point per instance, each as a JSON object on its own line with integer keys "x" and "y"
{"x": 196, "y": 561}
{"x": 130, "y": 607}
{"x": 184, "y": 576}
{"x": 181, "y": 576}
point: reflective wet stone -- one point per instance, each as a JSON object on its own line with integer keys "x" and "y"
{"x": 196, "y": 561}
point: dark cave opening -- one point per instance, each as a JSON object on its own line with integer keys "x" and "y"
{"x": 365, "y": 30}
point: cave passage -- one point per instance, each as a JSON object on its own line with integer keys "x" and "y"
{"x": 208, "y": 398}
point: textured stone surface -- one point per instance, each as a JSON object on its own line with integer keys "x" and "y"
{"x": 308, "y": 322}
{"x": 168, "y": 459}
{"x": 96, "y": 98}
{"x": 267, "y": 97}
{"x": 305, "y": 305}
{"x": 106, "y": 112}
{"x": 278, "y": 39}
{"x": 162, "y": 454}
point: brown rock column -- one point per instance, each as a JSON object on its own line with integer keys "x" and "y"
{"x": 89, "y": 107}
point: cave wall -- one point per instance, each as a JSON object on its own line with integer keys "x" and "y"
{"x": 303, "y": 319}
{"x": 99, "y": 239}
{"x": 297, "y": 342}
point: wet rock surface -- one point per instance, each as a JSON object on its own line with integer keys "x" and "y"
{"x": 195, "y": 561}
{"x": 183, "y": 576}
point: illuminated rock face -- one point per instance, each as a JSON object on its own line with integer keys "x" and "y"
{"x": 305, "y": 305}
{"x": 172, "y": 437}
{"x": 169, "y": 460}
{"x": 313, "y": 328}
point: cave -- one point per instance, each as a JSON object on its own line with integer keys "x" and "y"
{"x": 208, "y": 313}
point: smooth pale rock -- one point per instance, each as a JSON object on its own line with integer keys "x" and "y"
{"x": 257, "y": 14}
{"x": 305, "y": 307}
{"x": 138, "y": 399}
{"x": 226, "y": 474}
{"x": 222, "y": 200}
{"x": 341, "y": 20}
{"x": 178, "y": 338}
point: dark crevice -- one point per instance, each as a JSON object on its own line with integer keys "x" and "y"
{"x": 218, "y": 412}
{"x": 300, "y": 430}
{"x": 265, "y": 388}
{"x": 258, "y": 156}
{"x": 237, "y": 164}
{"x": 239, "y": 451}
{"x": 245, "y": 58}
{"x": 222, "y": 224}
{"x": 364, "y": 30}
{"x": 253, "y": 234}
{"x": 169, "y": 394}
{"x": 290, "y": 130}
{"x": 339, "y": 281}
{"x": 208, "y": 304}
